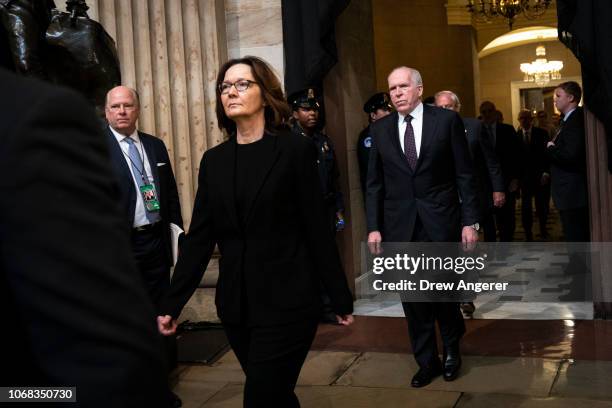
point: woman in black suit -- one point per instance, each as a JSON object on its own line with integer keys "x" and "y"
{"x": 259, "y": 200}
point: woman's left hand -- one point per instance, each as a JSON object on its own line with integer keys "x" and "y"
{"x": 345, "y": 320}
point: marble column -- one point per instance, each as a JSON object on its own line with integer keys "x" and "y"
{"x": 254, "y": 27}
{"x": 170, "y": 52}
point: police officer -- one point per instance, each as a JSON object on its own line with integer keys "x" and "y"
{"x": 378, "y": 106}
{"x": 306, "y": 123}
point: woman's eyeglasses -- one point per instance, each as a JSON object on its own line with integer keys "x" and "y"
{"x": 241, "y": 85}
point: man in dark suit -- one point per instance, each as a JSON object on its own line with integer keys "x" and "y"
{"x": 567, "y": 154}
{"x": 535, "y": 183}
{"x": 149, "y": 197}
{"x": 75, "y": 312}
{"x": 507, "y": 148}
{"x": 487, "y": 173}
{"x": 487, "y": 170}
{"x": 419, "y": 167}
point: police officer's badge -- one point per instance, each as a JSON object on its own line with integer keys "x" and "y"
{"x": 325, "y": 147}
{"x": 367, "y": 142}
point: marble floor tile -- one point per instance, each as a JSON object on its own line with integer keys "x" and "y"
{"x": 195, "y": 393}
{"x": 348, "y": 397}
{"x": 474, "y": 400}
{"x": 325, "y": 367}
{"x": 226, "y": 369}
{"x": 584, "y": 379}
{"x": 526, "y": 376}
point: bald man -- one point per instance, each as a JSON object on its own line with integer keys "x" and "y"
{"x": 149, "y": 197}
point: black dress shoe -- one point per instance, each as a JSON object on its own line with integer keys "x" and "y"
{"x": 452, "y": 364}
{"x": 424, "y": 376}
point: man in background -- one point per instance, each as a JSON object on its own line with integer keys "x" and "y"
{"x": 75, "y": 311}
{"x": 507, "y": 147}
{"x": 567, "y": 154}
{"x": 535, "y": 184}
{"x": 487, "y": 173}
{"x": 149, "y": 198}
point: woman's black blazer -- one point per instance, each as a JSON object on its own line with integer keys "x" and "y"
{"x": 271, "y": 267}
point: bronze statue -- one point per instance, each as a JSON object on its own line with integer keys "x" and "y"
{"x": 66, "y": 48}
{"x": 24, "y": 23}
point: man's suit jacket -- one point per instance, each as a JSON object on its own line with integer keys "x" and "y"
{"x": 508, "y": 151}
{"x": 277, "y": 261}
{"x": 75, "y": 312}
{"x": 165, "y": 184}
{"x": 443, "y": 173}
{"x": 487, "y": 170}
{"x": 534, "y": 158}
{"x": 568, "y": 164}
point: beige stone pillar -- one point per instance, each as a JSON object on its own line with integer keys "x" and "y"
{"x": 170, "y": 51}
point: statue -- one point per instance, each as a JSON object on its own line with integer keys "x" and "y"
{"x": 23, "y": 24}
{"x": 69, "y": 48}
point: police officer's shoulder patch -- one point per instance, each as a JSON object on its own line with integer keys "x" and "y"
{"x": 367, "y": 142}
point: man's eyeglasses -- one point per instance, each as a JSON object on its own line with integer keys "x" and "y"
{"x": 126, "y": 106}
{"x": 241, "y": 85}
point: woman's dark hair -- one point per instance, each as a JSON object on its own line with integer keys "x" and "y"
{"x": 276, "y": 111}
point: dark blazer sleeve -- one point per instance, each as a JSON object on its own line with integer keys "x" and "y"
{"x": 196, "y": 249}
{"x": 320, "y": 239}
{"x": 336, "y": 184}
{"x": 493, "y": 166}
{"x": 66, "y": 258}
{"x": 375, "y": 186}
{"x": 172, "y": 199}
{"x": 464, "y": 172}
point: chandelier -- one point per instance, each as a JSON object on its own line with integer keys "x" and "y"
{"x": 486, "y": 10}
{"x": 541, "y": 71}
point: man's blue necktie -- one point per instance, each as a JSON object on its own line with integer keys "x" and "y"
{"x": 139, "y": 173}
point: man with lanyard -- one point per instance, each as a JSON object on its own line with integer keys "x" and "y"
{"x": 378, "y": 106}
{"x": 149, "y": 197}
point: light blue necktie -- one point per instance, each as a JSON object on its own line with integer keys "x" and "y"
{"x": 139, "y": 173}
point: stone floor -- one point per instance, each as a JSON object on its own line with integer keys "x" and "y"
{"x": 373, "y": 379}
{"x": 516, "y": 354}
{"x": 507, "y": 363}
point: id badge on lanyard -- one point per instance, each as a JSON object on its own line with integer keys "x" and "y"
{"x": 149, "y": 197}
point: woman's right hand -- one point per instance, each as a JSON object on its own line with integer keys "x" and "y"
{"x": 166, "y": 325}
{"x": 345, "y": 320}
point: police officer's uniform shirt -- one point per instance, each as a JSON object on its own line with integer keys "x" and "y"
{"x": 140, "y": 213}
{"x": 417, "y": 126}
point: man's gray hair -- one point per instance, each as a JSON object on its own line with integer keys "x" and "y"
{"x": 452, "y": 95}
{"x": 132, "y": 90}
{"x": 415, "y": 75}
